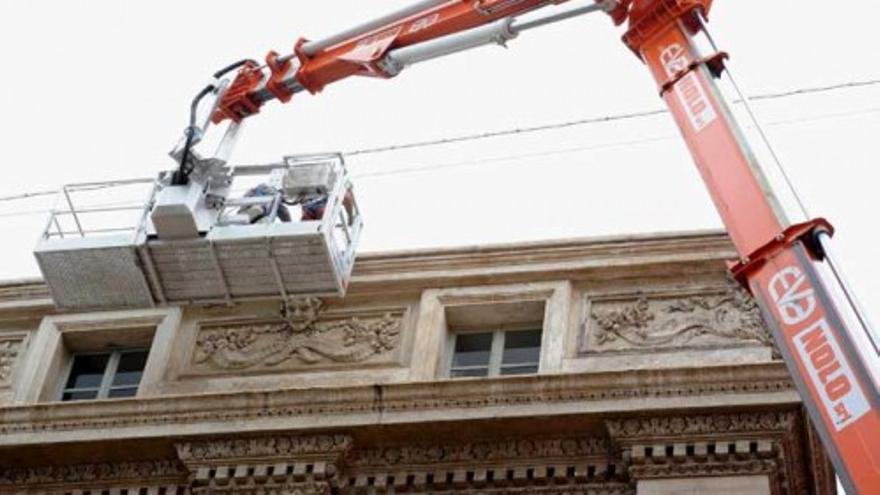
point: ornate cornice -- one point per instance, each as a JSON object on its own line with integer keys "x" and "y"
{"x": 473, "y": 453}
{"x": 264, "y": 449}
{"x": 523, "y": 396}
{"x": 694, "y": 426}
{"x": 131, "y": 473}
{"x": 772, "y": 443}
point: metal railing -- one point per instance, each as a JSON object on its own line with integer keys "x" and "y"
{"x": 83, "y": 210}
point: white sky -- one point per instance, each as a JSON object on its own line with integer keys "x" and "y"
{"x": 100, "y": 89}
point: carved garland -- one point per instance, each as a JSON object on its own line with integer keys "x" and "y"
{"x": 301, "y": 335}
{"x": 132, "y": 473}
{"x": 9, "y": 351}
{"x": 732, "y": 315}
{"x": 263, "y": 448}
{"x": 482, "y": 451}
{"x": 643, "y": 429}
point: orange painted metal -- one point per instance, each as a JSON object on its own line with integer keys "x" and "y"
{"x": 362, "y": 55}
{"x": 722, "y": 159}
{"x": 237, "y": 103}
{"x": 777, "y": 260}
{"x": 835, "y": 387}
{"x": 277, "y": 71}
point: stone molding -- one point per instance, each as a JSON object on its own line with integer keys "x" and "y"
{"x": 12, "y": 347}
{"x": 303, "y": 342}
{"x": 305, "y": 464}
{"x": 771, "y": 443}
{"x": 267, "y": 449}
{"x": 521, "y": 465}
{"x": 523, "y": 396}
{"x": 489, "y": 452}
{"x": 126, "y": 474}
{"x": 647, "y": 448}
{"x": 657, "y": 321}
{"x": 559, "y": 259}
{"x": 694, "y": 426}
{"x": 38, "y": 377}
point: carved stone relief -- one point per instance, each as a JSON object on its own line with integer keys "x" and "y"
{"x": 570, "y": 465}
{"x": 724, "y": 317}
{"x": 476, "y": 452}
{"x": 296, "y": 465}
{"x": 10, "y": 349}
{"x": 305, "y": 337}
{"x": 129, "y": 474}
{"x": 664, "y": 427}
{"x": 723, "y": 444}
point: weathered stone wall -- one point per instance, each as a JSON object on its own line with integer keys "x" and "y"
{"x": 647, "y": 348}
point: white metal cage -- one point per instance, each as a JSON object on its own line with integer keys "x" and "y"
{"x": 100, "y": 253}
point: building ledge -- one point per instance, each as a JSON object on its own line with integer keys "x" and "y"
{"x": 399, "y": 404}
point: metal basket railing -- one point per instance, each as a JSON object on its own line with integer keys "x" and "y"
{"x": 83, "y": 210}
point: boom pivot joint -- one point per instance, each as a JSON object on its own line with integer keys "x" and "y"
{"x": 806, "y": 233}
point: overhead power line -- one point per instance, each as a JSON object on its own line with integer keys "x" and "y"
{"x": 577, "y": 149}
{"x": 516, "y": 131}
{"x": 592, "y": 120}
{"x": 29, "y": 195}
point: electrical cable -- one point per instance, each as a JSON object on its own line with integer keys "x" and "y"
{"x": 231, "y": 67}
{"x": 181, "y": 176}
{"x": 466, "y": 163}
{"x": 525, "y": 130}
{"x": 667, "y": 137}
{"x": 593, "y": 120}
{"x": 745, "y": 101}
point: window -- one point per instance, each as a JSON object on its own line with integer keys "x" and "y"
{"x": 106, "y": 375}
{"x": 498, "y": 353}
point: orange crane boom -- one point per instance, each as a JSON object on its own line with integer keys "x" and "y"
{"x": 825, "y": 340}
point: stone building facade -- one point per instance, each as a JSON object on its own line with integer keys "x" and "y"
{"x": 650, "y": 373}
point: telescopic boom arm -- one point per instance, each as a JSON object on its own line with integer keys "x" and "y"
{"x": 382, "y": 48}
{"x": 831, "y": 352}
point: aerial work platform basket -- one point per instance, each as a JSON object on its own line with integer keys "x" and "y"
{"x": 232, "y": 237}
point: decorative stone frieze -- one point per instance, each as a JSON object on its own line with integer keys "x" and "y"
{"x": 662, "y": 321}
{"x": 488, "y": 451}
{"x": 11, "y": 347}
{"x": 304, "y": 465}
{"x": 157, "y": 473}
{"x": 263, "y": 448}
{"x": 305, "y": 338}
{"x": 524, "y": 465}
{"x": 722, "y": 444}
{"x": 641, "y": 429}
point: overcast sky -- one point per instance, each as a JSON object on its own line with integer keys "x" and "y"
{"x": 99, "y": 89}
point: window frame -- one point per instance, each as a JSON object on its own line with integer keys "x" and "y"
{"x": 110, "y": 371}
{"x": 496, "y": 351}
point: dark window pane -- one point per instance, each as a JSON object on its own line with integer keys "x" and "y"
{"x": 527, "y": 369}
{"x": 81, "y": 395}
{"x": 122, "y": 392}
{"x": 130, "y": 369}
{"x": 87, "y": 371}
{"x": 469, "y": 372}
{"x": 522, "y": 347}
{"x": 472, "y": 349}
